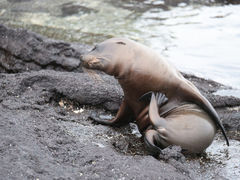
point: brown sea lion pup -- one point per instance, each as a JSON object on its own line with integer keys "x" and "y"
{"x": 176, "y": 112}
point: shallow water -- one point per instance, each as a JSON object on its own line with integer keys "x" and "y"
{"x": 228, "y": 92}
{"x": 220, "y": 161}
{"x": 224, "y": 161}
{"x": 200, "y": 39}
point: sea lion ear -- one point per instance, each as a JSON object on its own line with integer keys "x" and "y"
{"x": 120, "y": 42}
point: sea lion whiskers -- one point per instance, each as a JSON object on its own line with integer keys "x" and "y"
{"x": 92, "y": 61}
{"x": 101, "y": 58}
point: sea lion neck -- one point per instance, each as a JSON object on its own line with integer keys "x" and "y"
{"x": 116, "y": 69}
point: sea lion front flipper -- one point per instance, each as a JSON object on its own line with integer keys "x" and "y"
{"x": 123, "y": 115}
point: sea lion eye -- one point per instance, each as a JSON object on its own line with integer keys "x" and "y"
{"x": 122, "y": 43}
{"x": 95, "y": 47}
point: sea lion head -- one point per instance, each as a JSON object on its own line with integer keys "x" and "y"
{"x": 108, "y": 56}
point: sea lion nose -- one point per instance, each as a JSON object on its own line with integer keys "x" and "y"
{"x": 88, "y": 60}
{"x": 87, "y": 57}
{"x": 84, "y": 58}
{"x": 81, "y": 57}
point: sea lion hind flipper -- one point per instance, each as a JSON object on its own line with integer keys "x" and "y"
{"x": 154, "y": 117}
{"x": 160, "y": 97}
{"x": 201, "y": 101}
{"x": 149, "y": 138}
{"x": 207, "y": 106}
{"x": 146, "y": 97}
{"x": 223, "y": 131}
{"x": 211, "y": 111}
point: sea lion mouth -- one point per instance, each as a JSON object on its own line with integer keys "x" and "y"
{"x": 89, "y": 61}
{"x": 94, "y": 62}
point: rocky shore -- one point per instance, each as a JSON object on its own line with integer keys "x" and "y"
{"x": 46, "y": 131}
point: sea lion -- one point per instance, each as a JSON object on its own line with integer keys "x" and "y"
{"x": 177, "y": 113}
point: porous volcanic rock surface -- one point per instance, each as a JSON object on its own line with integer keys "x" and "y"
{"x": 46, "y": 131}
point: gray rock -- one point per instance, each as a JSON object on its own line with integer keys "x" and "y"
{"x": 21, "y": 50}
{"x": 45, "y": 126}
